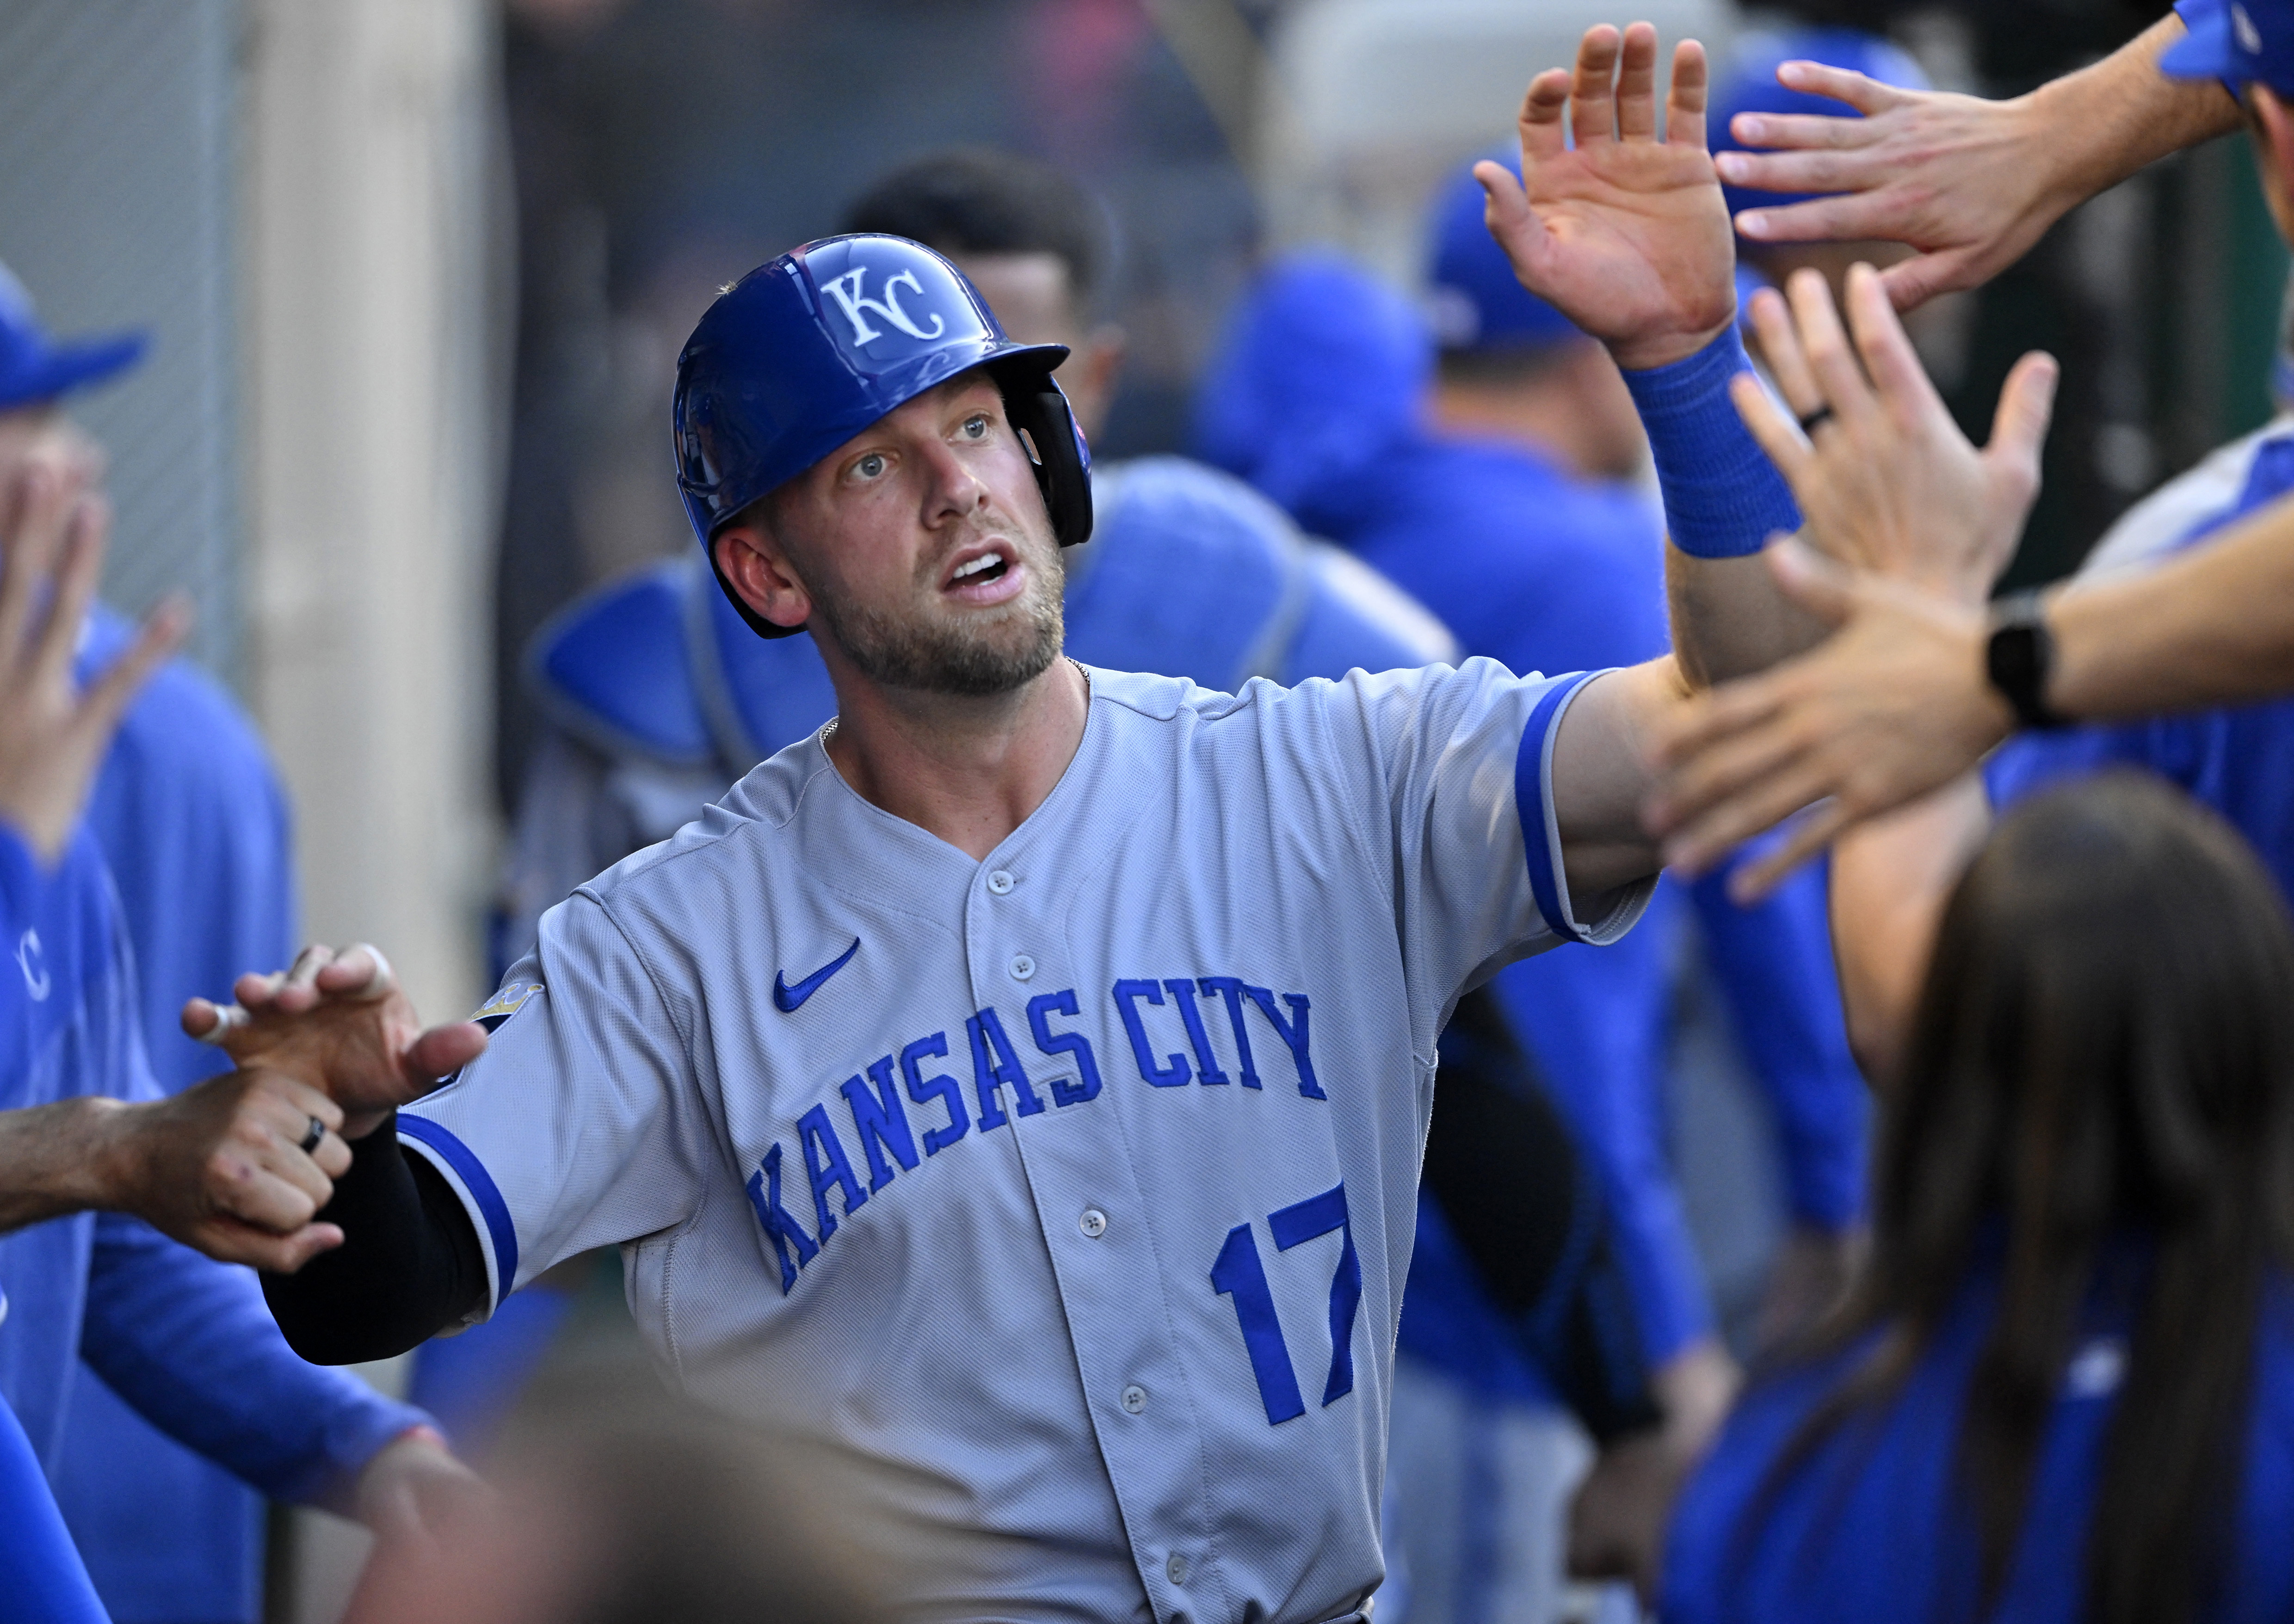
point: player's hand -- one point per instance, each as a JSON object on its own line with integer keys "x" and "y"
{"x": 1893, "y": 704}
{"x": 53, "y": 736}
{"x": 341, "y": 1024}
{"x": 1619, "y": 1515}
{"x": 221, "y": 1167}
{"x": 414, "y": 1493}
{"x": 1626, "y": 234}
{"x": 1813, "y": 1272}
{"x": 1886, "y": 481}
{"x": 1970, "y": 183}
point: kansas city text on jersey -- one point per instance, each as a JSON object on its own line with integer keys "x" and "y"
{"x": 878, "y": 1113}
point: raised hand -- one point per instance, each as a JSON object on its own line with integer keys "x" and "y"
{"x": 1884, "y": 479}
{"x": 1891, "y": 706}
{"x": 53, "y": 736}
{"x": 339, "y": 1023}
{"x": 1626, "y": 233}
{"x": 1970, "y": 183}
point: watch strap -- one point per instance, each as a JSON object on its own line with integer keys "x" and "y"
{"x": 2019, "y": 656}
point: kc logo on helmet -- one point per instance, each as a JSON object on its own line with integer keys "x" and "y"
{"x": 846, "y": 291}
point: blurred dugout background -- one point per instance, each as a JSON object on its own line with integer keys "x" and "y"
{"x": 417, "y": 271}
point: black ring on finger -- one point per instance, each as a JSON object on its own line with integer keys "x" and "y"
{"x": 1814, "y": 420}
{"x": 317, "y": 1130}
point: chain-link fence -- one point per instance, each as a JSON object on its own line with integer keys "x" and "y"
{"x": 117, "y": 140}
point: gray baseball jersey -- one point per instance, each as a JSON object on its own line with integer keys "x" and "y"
{"x": 1061, "y": 1201}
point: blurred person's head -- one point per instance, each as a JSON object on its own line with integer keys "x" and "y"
{"x": 36, "y": 372}
{"x": 1749, "y": 85}
{"x": 867, "y": 455}
{"x": 616, "y": 1504}
{"x": 2098, "y": 1089}
{"x": 1511, "y": 364}
{"x": 1322, "y": 370}
{"x": 1031, "y": 238}
{"x": 2250, "y": 47}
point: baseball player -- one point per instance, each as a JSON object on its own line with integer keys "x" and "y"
{"x": 92, "y": 1290}
{"x": 1012, "y": 1093}
{"x": 193, "y": 827}
{"x": 662, "y": 696}
{"x": 658, "y": 695}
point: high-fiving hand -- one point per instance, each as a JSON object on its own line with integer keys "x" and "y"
{"x": 340, "y": 1024}
{"x": 1886, "y": 481}
{"x": 1625, "y": 233}
{"x": 53, "y": 737}
{"x": 1895, "y": 704}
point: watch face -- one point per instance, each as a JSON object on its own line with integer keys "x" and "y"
{"x": 2016, "y": 660}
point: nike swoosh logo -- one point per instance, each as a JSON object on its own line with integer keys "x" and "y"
{"x": 789, "y": 999}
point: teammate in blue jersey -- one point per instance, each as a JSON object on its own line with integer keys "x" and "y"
{"x": 183, "y": 1340}
{"x": 192, "y": 825}
{"x": 2082, "y": 1408}
{"x": 1012, "y": 1093}
{"x": 1497, "y": 496}
{"x": 2066, "y": 1390}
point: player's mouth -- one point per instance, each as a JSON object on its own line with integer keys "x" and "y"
{"x": 986, "y": 573}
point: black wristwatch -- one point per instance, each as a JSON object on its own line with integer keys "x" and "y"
{"x": 2019, "y": 657}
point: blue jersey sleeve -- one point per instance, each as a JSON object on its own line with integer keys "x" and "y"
{"x": 194, "y": 826}
{"x": 192, "y": 1346}
{"x": 1773, "y": 964}
{"x": 41, "y": 1576}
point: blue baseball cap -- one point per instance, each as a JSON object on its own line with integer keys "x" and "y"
{"x": 2242, "y": 43}
{"x": 1473, "y": 300}
{"x": 35, "y": 369}
{"x": 1750, "y": 86}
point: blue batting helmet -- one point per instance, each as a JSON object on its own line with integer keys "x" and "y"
{"x": 803, "y": 353}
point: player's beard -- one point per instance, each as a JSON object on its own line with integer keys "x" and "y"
{"x": 976, "y": 657}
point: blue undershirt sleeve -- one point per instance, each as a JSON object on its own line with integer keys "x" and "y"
{"x": 189, "y": 1343}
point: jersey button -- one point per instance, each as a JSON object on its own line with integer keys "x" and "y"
{"x": 1134, "y": 1399}
{"x": 1177, "y": 1568}
{"x": 1000, "y": 882}
{"x": 1093, "y": 1222}
{"x": 1022, "y": 967}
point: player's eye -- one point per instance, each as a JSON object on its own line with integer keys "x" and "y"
{"x": 870, "y": 466}
{"x": 975, "y": 427}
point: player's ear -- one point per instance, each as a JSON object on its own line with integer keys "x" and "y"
{"x": 750, "y": 558}
{"x": 2272, "y": 120}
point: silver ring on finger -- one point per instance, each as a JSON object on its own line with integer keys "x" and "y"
{"x": 311, "y": 1138}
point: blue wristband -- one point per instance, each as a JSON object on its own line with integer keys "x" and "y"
{"x": 1723, "y": 498}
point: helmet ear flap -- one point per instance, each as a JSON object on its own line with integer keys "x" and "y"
{"x": 1039, "y": 411}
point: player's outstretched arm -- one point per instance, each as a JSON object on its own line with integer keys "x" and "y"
{"x": 1971, "y": 183}
{"x": 231, "y": 1166}
{"x": 1888, "y": 486}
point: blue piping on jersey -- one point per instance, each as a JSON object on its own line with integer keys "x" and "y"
{"x": 480, "y": 1184}
{"x": 1530, "y": 801}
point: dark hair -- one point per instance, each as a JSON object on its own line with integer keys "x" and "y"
{"x": 2103, "y": 1054}
{"x": 977, "y": 200}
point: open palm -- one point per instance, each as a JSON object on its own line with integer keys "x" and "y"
{"x": 1624, "y": 232}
